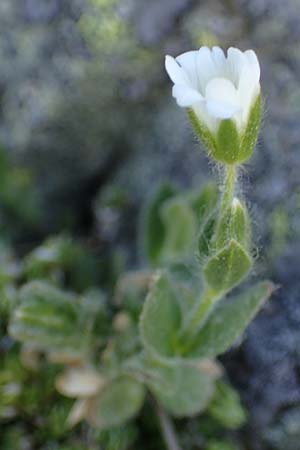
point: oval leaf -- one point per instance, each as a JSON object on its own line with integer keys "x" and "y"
{"x": 118, "y": 402}
{"x": 184, "y": 390}
{"x": 228, "y": 320}
{"x": 160, "y": 318}
{"x": 227, "y": 268}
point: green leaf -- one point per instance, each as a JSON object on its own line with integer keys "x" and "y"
{"x": 204, "y": 202}
{"x": 228, "y": 321}
{"x": 184, "y": 390}
{"x": 47, "y": 318}
{"x": 227, "y": 268}
{"x": 228, "y": 142}
{"x": 205, "y": 238}
{"x": 180, "y": 230}
{"x": 118, "y": 402}
{"x": 252, "y": 129}
{"x": 226, "y": 406}
{"x": 160, "y": 318}
{"x": 234, "y": 224}
{"x": 153, "y": 226}
{"x": 240, "y": 225}
{"x": 116, "y": 438}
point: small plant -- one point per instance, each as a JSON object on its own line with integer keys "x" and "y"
{"x": 156, "y": 339}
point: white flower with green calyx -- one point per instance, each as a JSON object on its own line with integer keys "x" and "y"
{"x": 222, "y": 95}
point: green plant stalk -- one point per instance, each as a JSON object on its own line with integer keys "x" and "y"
{"x": 209, "y": 296}
{"x": 167, "y": 428}
{"x": 228, "y": 190}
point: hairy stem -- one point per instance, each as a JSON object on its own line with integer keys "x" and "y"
{"x": 229, "y": 187}
{"x": 166, "y": 427}
{"x": 228, "y": 192}
{"x": 208, "y": 298}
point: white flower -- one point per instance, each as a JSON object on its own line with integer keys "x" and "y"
{"x": 216, "y": 86}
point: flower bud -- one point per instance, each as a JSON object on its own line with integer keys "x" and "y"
{"x": 222, "y": 95}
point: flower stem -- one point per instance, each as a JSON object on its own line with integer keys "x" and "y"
{"x": 229, "y": 188}
{"x": 209, "y": 296}
{"x": 166, "y": 427}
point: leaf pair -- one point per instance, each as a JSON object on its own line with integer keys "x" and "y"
{"x": 162, "y": 319}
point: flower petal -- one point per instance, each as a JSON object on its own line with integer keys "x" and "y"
{"x": 186, "y": 96}
{"x": 219, "y": 60}
{"x": 254, "y": 64}
{"x": 206, "y": 68}
{"x": 188, "y": 62}
{"x": 175, "y": 72}
{"x": 236, "y": 61}
{"x": 222, "y": 98}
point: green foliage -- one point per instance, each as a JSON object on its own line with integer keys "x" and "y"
{"x": 60, "y": 258}
{"x": 161, "y": 318}
{"x": 51, "y": 319}
{"x": 19, "y": 202}
{"x": 171, "y": 223}
{"x": 183, "y": 389}
{"x": 228, "y": 267}
{"x": 229, "y": 319}
{"x": 180, "y": 225}
{"x": 226, "y": 407}
{"x": 120, "y": 438}
{"x": 153, "y": 224}
{"x": 117, "y": 403}
{"x": 234, "y": 224}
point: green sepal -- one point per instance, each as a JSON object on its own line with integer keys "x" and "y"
{"x": 119, "y": 401}
{"x": 250, "y": 135}
{"x": 227, "y": 268}
{"x": 153, "y": 227}
{"x": 203, "y": 133}
{"x": 228, "y": 321}
{"x": 228, "y": 142}
{"x": 230, "y": 145}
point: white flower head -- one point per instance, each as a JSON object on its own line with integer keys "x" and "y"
{"x": 222, "y": 94}
{"x": 216, "y": 86}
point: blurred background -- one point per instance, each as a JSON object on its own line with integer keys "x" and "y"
{"x": 88, "y": 129}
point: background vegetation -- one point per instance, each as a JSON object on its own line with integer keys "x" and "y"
{"x": 88, "y": 130}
